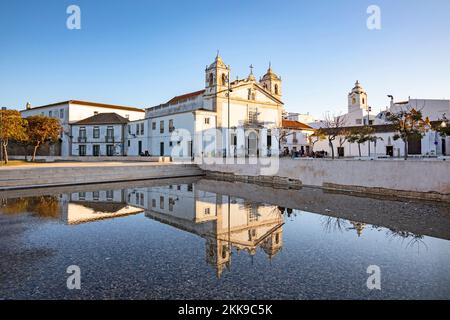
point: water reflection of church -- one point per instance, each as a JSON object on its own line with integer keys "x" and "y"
{"x": 225, "y": 222}
{"x": 228, "y": 224}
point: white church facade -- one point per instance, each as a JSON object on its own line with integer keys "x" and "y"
{"x": 234, "y": 118}
{"x": 227, "y": 117}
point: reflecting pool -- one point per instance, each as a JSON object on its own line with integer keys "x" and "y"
{"x": 203, "y": 239}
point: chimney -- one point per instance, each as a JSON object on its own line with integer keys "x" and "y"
{"x": 28, "y": 106}
{"x": 392, "y": 100}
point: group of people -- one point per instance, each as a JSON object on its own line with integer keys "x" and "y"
{"x": 301, "y": 153}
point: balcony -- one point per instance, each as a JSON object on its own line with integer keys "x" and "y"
{"x": 82, "y": 139}
{"x": 109, "y": 139}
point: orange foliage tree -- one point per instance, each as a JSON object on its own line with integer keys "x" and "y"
{"x": 42, "y": 129}
{"x": 12, "y": 127}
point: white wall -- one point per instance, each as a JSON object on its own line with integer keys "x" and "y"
{"x": 183, "y": 122}
{"x": 55, "y": 112}
{"x": 410, "y": 175}
{"x": 300, "y": 135}
{"x": 101, "y": 141}
{"x": 80, "y": 112}
{"x": 379, "y": 149}
{"x": 134, "y": 135}
{"x": 431, "y": 108}
{"x": 75, "y": 112}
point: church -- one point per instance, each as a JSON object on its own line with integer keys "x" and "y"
{"x": 226, "y": 118}
{"x": 385, "y": 146}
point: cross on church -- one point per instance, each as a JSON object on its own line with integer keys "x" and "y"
{"x": 251, "y": 69}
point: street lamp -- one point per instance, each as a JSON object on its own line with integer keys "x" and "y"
{"x": 369, "y": 109}
{"x": 229, "y": 90}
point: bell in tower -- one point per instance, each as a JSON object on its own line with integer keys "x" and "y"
{"x": 216, "y": 76}
{"x": 357, "y": 98}
{"x": 271, "y": 82}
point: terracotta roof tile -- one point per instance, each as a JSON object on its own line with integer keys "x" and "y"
{"x": 185, "y": 96}
{"x": 87, "y": 103}
{"x": 104, "y": 118}
{"x": 291, "y": 124}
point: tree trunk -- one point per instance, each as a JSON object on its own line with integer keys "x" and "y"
{"x": 34, "y": 152}
{"x": 359, "y": 149}
{"x": 406, "y": 149}
{"x": 5, "y": 152}
{"x": 332, "y": 149}
{"x": 25, "y": 149}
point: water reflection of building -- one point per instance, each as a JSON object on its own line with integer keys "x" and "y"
{"x": 226, "y": 223}
{"x": 81, "y": 207}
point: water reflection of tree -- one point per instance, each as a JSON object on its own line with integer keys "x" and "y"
{"x": 413, "y": 240}
{"x": 43, "y": 206}
{"x": 332, "y": 224}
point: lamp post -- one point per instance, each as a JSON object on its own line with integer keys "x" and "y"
{"x": 444, "y": 125}
{"x": 229, "y": 90}
{"x": 1, "y": 134}
{"x": 369, "y": 109}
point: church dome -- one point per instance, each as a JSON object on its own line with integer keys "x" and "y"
{"x": 218, "y": 62}
{"x": 270, "y": 75}
{"x": 358, "y": 88}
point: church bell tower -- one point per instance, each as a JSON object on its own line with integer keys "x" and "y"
{"x": 216, "y": 76}
{"x": 357, "y": 98}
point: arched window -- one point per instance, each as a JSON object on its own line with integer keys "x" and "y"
{"x": 211, "y": 80}
{"x": 224, "y": 79}
{"x": 276, "y": 89}
{"x": 353, "y": 100}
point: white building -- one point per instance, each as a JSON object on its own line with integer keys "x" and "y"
{"x": 103, "y": 134}
{"x": 300, "y": 117}
{"x": 189, "y": 125}
{"x": 359, "y": 111}
{"x": 434, "y": 109}
{"x": 72, "y": 111}
{"x": 295, "y": 138}
{"x": 432, "y": 144}
{"x": 138, "y": 138}
{"x": 196, "y": 123}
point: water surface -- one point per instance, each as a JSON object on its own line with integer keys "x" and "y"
{"x": 193, "y": 239}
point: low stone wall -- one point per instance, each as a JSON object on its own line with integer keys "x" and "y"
{"x": 409, "y": 179}
{"x": 20, "y": 151}
{"x": 94, "y": 159}
{"x": 47, "y": 175}
{"x": 270, "y": 181}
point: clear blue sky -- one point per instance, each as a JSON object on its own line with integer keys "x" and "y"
{"x": 142, "y": 53}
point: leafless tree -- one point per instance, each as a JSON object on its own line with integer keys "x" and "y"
{"x": 333, "y": 126}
